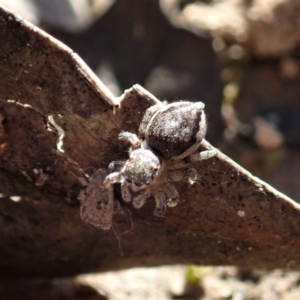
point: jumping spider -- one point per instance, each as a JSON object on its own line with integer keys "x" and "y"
{"x": 169, "y": 138}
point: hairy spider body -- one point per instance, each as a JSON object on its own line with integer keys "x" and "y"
{"x": 169, "y": 138}
{"x": 171, "y": 130}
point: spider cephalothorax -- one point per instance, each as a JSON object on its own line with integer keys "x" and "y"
{"x": 168, "y": 134}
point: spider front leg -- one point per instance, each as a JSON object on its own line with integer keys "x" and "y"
{"x": 190, "y": 173}
{"x": 126, "y": 193}
{"x": 139, "y": 200}
{"x": 111, "y": 179}
{"x": 172, "y": 194}
{"x": 203, "y": 155}
{"x": 116, "y": 165}
{"x": 168, "y": 196}
{"x": 161, "y": 204}
{"x": 131, "y": 138}
{"x": 109, "y": 182}
{"x": 179, "y": 164}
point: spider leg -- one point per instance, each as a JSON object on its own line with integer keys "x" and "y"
{"x": 161, "y": 204}
{"x": 172, "y": 194}
{"x": 112, "y": 178}
{"x": 203, "y": 155}
{"x": 177, "y": 175}
{"x": 181, "y": 164}
{"x": 109, "y": 184}
{"x": 131, "y": 138}
{"x": 116, "y": 165}
{"x": 126, "y": 193}
{"x": 139, "y": 200}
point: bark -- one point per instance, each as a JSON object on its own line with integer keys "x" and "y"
{"x": 59, "y": 125}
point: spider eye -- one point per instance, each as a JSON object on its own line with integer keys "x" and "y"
{"x": 154, "y": 167}
{"x": 138, "y": 183}
{"x": 129, "y": 180}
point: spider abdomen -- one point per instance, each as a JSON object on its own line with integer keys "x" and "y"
{"x": 175, "y": 128}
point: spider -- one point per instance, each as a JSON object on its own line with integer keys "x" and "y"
{"x": 169, "y": 139}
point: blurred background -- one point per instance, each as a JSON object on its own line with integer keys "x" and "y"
{"x": 242, "y": 59}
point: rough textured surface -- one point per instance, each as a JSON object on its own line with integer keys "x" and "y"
{"x": 229, "y": 217}
{"x": 136, "y": 44}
